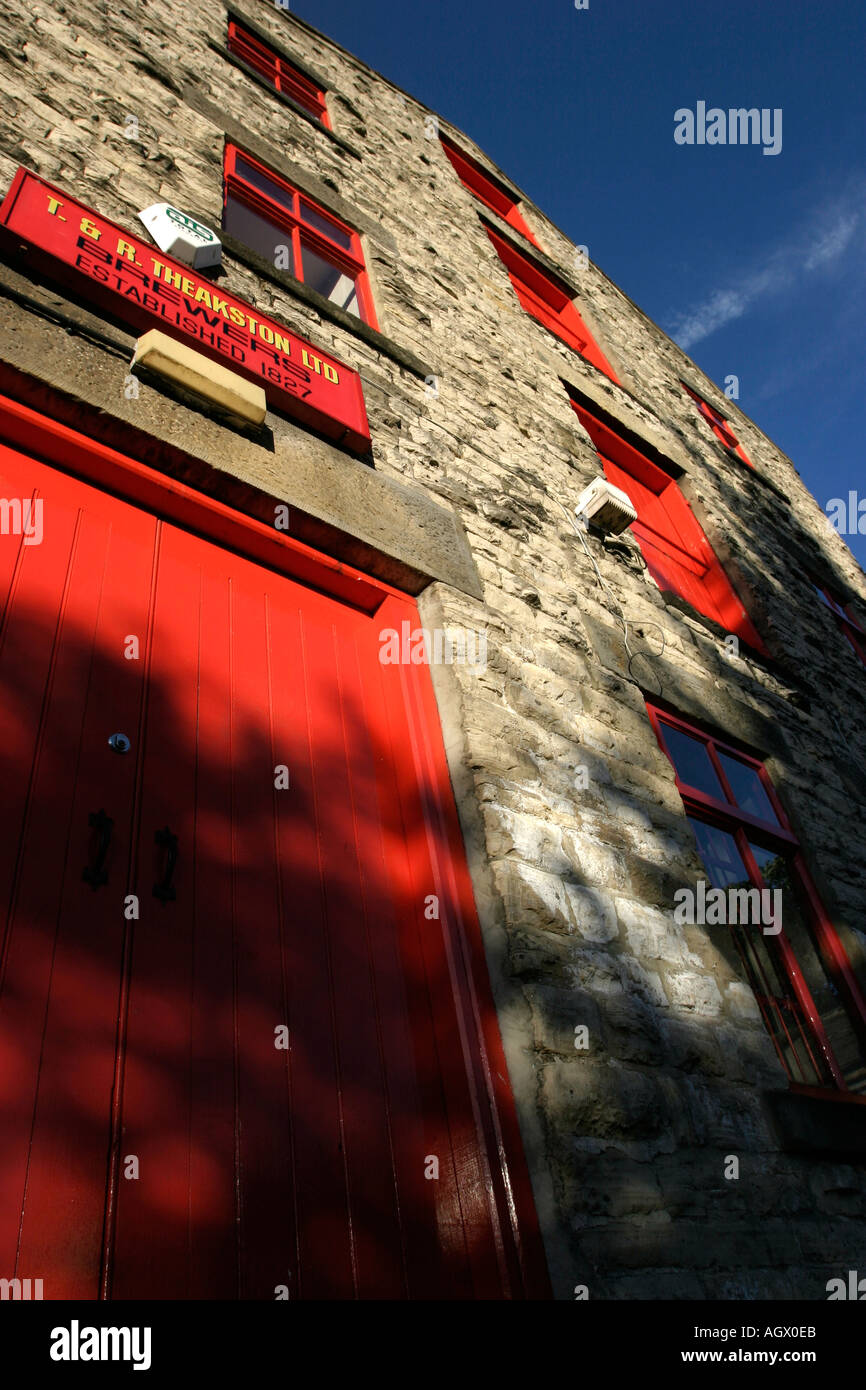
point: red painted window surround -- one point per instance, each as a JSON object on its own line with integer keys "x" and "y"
{"x": 847, "y": 624}
{"x": 678, "y": 555}
{"x": 745, "y": 840}
{"x": 718, "y": 424}
{"x": 549, "y": 301}
{"x": 265, "y": 212}
{"x": 281, "y": 74}
{"x": 485, "y": 188}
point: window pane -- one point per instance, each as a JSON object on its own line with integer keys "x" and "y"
{"x": 692, "y": 762}
{"x": 272, "y": 242}
{"x": 261, "y": 181}
{"x": 826, "y": 599}
{"x": 791, "y": 1033}
{"x": 722, "y": 860}
{"x": 780, "y": 874}
{"x": 290, "y": 84}
{"x": 329, "y": 280}
{"x": 317, "y": 219}
{"x": 748, "y": 789}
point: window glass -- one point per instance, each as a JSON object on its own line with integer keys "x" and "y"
{"x": 748, "y": 789}
{"x": 778, "y": 874}
{"x": 293, "y": 87}
{"x": 721, "y": 858}
{"x": 692, "y": 762}
{"x": 261, "y": 181}
{"x": 270, "y": 241}
{"x": 324, "y": 224}
{"x": 760, "y": 956}
{"x": 329, "y": 280}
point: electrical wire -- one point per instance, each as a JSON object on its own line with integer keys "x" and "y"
{"x": 608, "y": 590}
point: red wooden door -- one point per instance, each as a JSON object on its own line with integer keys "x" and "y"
{"x": 247, "y": 1082}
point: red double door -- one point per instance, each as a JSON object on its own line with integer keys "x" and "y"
{"x": 243, "y": 1049}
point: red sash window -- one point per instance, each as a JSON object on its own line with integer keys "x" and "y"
{"x": 678, "y": 555}
{"x": 485, "y": 188}
{"x": 719, "y": 425}
{"x": 276, "y": 70}
{"x": 291, "y": 231}
{"x": 549, "y": 301}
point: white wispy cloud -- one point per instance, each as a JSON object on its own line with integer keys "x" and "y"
{"x": 815, "y": 246}
{"x": 834, "y": 241}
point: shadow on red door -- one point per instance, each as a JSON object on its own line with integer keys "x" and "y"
{"x": 241, "y": 1050}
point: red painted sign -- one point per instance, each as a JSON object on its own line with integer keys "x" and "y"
{"x": 142, "y": 286}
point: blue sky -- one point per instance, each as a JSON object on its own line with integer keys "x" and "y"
{"x": 755, "y": 263}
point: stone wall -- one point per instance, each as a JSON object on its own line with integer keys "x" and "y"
{"x": 626, "y": 1140}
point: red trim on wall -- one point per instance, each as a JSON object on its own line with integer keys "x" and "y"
{"x": 140, "y": 286}
{"x": 425, "y": 800}
{"x": 289, "y": 217}
{"x": 485, "y": 188}
{"x": 550, "y": 302}
{"x": 677, "y": 552}
{"x": 283, "y": 76}
{"x": 728, "y": 815}
{"x": 846, "y": 622}
{"x": 72, "y": 452}
{"x": 719, "y": 425}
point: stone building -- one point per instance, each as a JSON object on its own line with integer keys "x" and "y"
{"x": 339, "y": 971}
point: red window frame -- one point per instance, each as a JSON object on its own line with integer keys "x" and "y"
{"x": 485, "y": 188}
{"x": 678, "y": 555}
{"x": 549, "y": 301}
{"x": 290, "y": 219}
{"x": 719, "y": 425}
{"x": 847, "y": 624}
{"x": 781, "y": 1014}
{"x": 282, "y": 75}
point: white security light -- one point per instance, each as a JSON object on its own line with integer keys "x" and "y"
{"x": 606, "y": 506}
{"x": 182, "y": 236}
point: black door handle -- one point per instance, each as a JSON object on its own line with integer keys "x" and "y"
{"x": 95, "y": 872}
{"x": 164, "y": 890}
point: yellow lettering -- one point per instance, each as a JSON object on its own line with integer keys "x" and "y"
{"x": 330, "y": 373}
{"x": 236, "y": 316}
{"x": 53, "y": 205}
{"x": 314, "y": 362}
{"x": 171, "y": 277}
{"x": 90, "y": 229}
{"x": 126, "y": 248}
{"x": 158, "y": 267}
{"x": 203, "y": 296}
{"x": 251, "y": 325}
{"x": 265, "y": 332}
{"x": 187, "y": 286}
{"x": 220, "y": 306}
{"x": 283, "y": 344}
